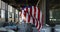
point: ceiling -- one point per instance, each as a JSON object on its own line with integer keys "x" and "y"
{"x": 54, "y": 4}
{"x": 19, "y": 3}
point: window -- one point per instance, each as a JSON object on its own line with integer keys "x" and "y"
{"x": 2, "y": 13}
{"x": 55, "y": 16}
{"x": 0, "y": 4}
{"x": 54, "y": 11}
{"x": 9, "y": 13}
{"x": 3, "y": 5}
{"x": 16, "y": 15}
{"x": 0, "y": 8}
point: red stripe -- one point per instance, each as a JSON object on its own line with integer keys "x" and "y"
{"x": 34, "y": 11}
{"x": 24, "y": 13}
{"x": 38, "y": 19}
{"x": 34, "y": 14}
{"x": 38, "y": 14}
{"x": 31, "y": 11}
{"x": 36, "y": 23}
{"x": 26, "y": 9}
{"x": 33, "y": 21}
{"x": 28, "y": 18}
{"x": 39, "y": 26}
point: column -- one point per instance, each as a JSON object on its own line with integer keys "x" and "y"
{"x": 0, "y": 9}
{"x": 0, "y": 4}
{"x": 13, "y": 15}
{"x": 47, "y": 11}
{"x": 6, "y": 12}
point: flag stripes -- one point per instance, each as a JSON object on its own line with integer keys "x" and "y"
{"x": 33, "y": 15}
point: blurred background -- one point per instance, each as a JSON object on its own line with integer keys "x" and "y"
{"x": 9, "y": 14}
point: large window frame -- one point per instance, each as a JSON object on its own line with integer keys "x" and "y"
{"x": 2, "y": 8}
{"x": 10, "y": 13}
{"x": 16, "y": 15}
{"x": 49, "y": 16}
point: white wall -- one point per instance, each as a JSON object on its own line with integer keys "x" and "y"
{"x": 0, "y": 4}
{"x": 3, "y": 5}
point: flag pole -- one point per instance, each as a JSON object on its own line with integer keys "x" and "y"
{"x": 37, "y": 2}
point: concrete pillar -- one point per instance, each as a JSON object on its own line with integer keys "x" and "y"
{"x": 18, "y": 16}
{"x": 47, "y": 12}
{"x": 13, "y": 14}
{"x": 6, "y": 12}
{"x": 44, "y": 10}
{"x": 0, "y": 9}
{"x": 0, "y": 4}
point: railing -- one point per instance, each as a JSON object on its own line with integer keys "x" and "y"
{"x": 9, "y": 19}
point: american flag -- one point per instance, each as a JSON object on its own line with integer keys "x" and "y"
{"x": 34, "y": 16}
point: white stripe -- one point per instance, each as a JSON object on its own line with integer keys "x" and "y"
{"x": 25, "y": 9}
{"x": 40, "y": 28}
{"x": 31, "y": 20}
{"x": 26, "y": 18}
{"x": 35, "y": 22}
{"x": 38, "y": 25}
{"x": 32, "y": 10}
{"x": 40, "y": 16}
{"x": 36, "y": 13}
{"x": 40, "y": 19}
{"x": 22, "y": 14}
{"x": 29, "y": 10}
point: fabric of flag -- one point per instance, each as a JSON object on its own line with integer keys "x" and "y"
{"x": 33, "y": 15}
